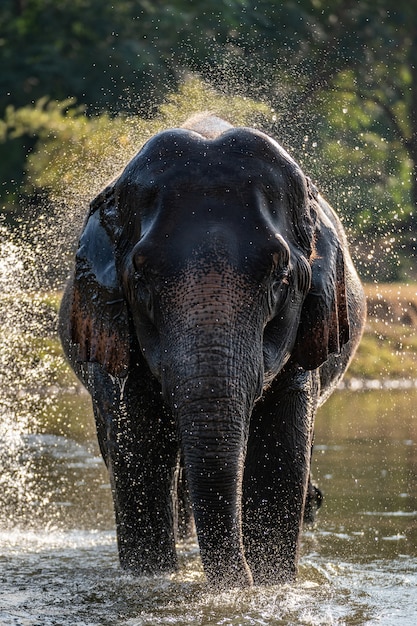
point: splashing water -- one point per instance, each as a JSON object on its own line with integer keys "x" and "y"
{"x": 21, "y": 377}
{"x": 58, "y": 555}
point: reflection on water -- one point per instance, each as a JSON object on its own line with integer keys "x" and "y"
{"x": 58, "y": 556}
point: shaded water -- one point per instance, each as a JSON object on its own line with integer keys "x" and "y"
{"x": 58, "y": 558}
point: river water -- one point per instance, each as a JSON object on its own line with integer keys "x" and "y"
{"x": 58, "y": 557}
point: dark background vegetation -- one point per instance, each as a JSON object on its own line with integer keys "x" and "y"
{"x": 339, "y": 79}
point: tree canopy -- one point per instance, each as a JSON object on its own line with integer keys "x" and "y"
{"x": 337, "y": 82}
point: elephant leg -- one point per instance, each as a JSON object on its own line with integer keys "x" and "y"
{"x": 139, "y": 444}
{"x": 276, "y": 478}
{"x": 314, "y": 500}
{"x": 184, "y": 513}
{"x": 101, "y": 430}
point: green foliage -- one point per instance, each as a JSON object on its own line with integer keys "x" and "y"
{"x": 195, "y": 96}
{"x": 387, "y": 351}
{"x": 362, "y": 168}
{"x": 80, "y": 77}
{"x": 110, "y": 56}
{"x": 76, "y": 155}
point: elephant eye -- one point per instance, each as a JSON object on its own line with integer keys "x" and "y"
{"x": 280, "y": 265}
{"x": 278, "y": 290}
{"x": 145, "y": 273}
{"x": 282, "y": 276}
{"x": 139, "y": 262}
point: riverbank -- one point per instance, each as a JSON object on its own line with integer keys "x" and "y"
{"x": 388, "y": 351}
{"x": 40, "y": 388}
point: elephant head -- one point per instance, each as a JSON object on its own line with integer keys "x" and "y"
{"x": 207, "y": 260}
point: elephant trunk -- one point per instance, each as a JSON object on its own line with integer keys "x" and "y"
{"x": 214, "y": 449}
{"x": 212, "y": 391}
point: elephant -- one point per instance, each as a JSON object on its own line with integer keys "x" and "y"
{"x": 212, "y": 308}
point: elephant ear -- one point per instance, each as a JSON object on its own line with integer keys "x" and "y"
{"x": 324, "y": 321}
{"x": 99, "y": 324}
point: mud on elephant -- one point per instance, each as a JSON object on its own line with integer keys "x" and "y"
{"x": 213, "y": 307}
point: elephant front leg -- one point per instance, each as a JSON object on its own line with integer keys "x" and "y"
{"x": 275, "y": 481}
{"x": 143, "y": 487}
{"x": 184, "y": 513}
{"x": 141, "y": 455}
{"x": 314, "y": 500}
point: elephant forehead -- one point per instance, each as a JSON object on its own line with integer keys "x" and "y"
{"x": 246, "y": 141}
{"x": 236, "y": 154}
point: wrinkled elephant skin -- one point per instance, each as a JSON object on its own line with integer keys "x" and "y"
{"x": 213, "y": 307}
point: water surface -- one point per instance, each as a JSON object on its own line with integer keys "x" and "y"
{"x": 58, "y": 557}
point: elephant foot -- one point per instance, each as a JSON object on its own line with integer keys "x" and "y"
{"x": 314, "y": 500}
{"x": 274, "y": 576}
{"x": 146, "y": 560}
{"x": 272, "y": 555}
{"x": 224, "y": 581}
{"x": 273, "y": 567}
{"x": 228, "y": 574}
{"x": 139, "y": 568}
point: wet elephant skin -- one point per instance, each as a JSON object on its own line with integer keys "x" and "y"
{"x": 212, "y": 308}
